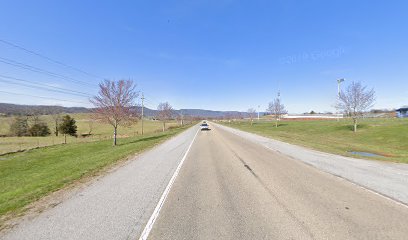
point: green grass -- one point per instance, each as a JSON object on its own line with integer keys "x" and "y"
{"x": 100, "y": 131}
{"x": 386, "y": 137}
{"x": 27, "y": 176}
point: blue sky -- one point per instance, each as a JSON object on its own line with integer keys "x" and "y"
{"x": 220, "y": 55}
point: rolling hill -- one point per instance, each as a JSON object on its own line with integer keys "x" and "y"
{"x": 16, "y": 109}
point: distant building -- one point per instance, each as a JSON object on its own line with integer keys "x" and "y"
{"x": 402, "y": 112}
{"x": 307, "y": 116}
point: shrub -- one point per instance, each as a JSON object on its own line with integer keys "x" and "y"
{"x": 39, "y": 129}
{"x": 19, "y": 127}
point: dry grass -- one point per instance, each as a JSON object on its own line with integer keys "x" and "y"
{"x": 100, "y": 131}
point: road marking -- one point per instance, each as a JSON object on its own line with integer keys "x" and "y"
{"x": 386, "y": 197}
{"x": 366, "y": 188}
{"x": 150, "y": 223}
{"x": 342, "y": 178}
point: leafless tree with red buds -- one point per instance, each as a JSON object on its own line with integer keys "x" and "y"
{"x": 164, "y": 113}
{"x": 115, "y": 104}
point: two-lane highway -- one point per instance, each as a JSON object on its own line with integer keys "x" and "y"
{"x": 220, "y": 185}
{"x": 231, "y": 188}
{"x": 115, "y": 206}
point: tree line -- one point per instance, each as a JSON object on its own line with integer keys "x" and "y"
{"x": 114, "y": 104}
{"x": 33, "y": 126}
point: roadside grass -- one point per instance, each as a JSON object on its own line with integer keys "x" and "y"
{"x": 27, "y": 176}
{"x": 385, "y": 137}
{"x": 100, "y": 131}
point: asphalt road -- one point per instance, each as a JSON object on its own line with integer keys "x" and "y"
{"x": 232, "y": 188}
{"x": 116, "y": 206}
{"x": 230, "y": 185}
{"x": 388, "y": 179}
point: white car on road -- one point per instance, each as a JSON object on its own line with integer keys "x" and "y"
{"x": 204, "y": 127}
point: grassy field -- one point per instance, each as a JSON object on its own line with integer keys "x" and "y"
{"x": 385, "y": 137}
{"x": 27, "y": 176}
{"x": 100, "y": 131}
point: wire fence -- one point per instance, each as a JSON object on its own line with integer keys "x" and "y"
{"x": 17, "y": 144}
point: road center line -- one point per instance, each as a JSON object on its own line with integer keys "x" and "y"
{"x": 150, "y": 223}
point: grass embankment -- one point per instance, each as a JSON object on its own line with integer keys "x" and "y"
{"x": 385, "y": 137}
{"x": 99, "y": 131}
{"x": 27, "y": 176}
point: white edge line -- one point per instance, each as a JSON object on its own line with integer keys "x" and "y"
{"x": 375, "y": 192}
{"x": 150, "y": 223}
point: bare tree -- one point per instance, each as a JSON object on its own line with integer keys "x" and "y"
{"x": 251, "y": 114}
{"x": 180, "y": 118}
{"x": 56, "y": 117}
{"x": 115, "y": 104}
{"x": 91, "y": 122}
{"x": 277, "y": 109}
{"x": 164, "y": 113}
{"x": 355, "y": 100}
{"x": 34, "y": 116}
{"x": 238, "y": 115}
{"x": 228, "y": 116}
{"x": 189, "y": 119}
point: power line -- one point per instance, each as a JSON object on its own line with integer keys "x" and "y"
{"x": 148, "y": 106}
{"x": 40, "y": 70}
{"x": 43, "y": 84}
{"x": 43, "y": 88}
{"x": 148, "y": 100}
{"x": 21, "y": 94}
{"x": 149, "y": 103}
{"x": 49, "y": 59}
{"x": 153, "y": 98}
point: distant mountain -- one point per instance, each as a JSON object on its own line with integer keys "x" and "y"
{"x": 15, "y": 109}
{"x": 209, "y": 113}
{"x": 202, "y": 113}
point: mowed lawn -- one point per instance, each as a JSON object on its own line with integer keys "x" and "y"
{"x": 385, "y": 137}
{"x": 27, "y": 176}
{"x": 99, "y": 131}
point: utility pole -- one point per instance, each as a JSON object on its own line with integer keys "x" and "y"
{"x": 339, "y": 81}
{"x": 142, "y": 110}
{"x": 182, "y": 118}
{"x": 258, "y": 112}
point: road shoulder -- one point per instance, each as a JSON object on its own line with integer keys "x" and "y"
{"x": 127, "y": 193}
{"x": 387, "y": 179}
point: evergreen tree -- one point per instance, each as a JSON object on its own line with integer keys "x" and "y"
{"x": 19, "y": 127}
{"x": 39, "y": 129}
{"x": 68, "y": 126}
